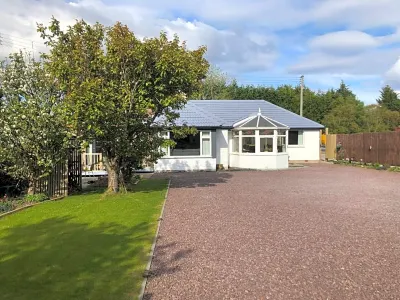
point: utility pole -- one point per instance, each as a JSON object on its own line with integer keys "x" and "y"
{"x": 301, "y": 94}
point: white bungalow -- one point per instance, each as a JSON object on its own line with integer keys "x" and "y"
{"x": 246, "y": 134}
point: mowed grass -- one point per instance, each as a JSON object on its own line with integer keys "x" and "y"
{"x": 87, "y": 246}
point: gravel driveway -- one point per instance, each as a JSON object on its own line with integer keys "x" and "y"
{"x": 322, "y": 232}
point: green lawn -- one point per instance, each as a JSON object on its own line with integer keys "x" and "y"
{"x": 87, "y": 246}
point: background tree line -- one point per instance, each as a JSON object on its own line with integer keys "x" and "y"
{"x": 338, "y": 109}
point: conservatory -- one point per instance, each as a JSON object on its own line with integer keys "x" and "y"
{"x": 258, "y": 142}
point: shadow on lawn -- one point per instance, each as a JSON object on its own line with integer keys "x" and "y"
{"x": 195, "y": 179}
{"x": 61, "y": 259}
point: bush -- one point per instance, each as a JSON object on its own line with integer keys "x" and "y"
{"x": 6, "y": 206}
{"x": 36, "y": 198}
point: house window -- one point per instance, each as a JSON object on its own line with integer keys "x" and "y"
{"x": 192, "y": 145}
{"x": 165, "y": 136}
{"x": 206, "y": 143}
{"x": 296, "y": 137}
{"x": 187, "y": 146}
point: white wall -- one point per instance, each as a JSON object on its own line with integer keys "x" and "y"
{"x": 185, "y": 164}
{"x": 309, "y": 150}
{"x": 222, "y": 147}
{"x": 259, "y": 162}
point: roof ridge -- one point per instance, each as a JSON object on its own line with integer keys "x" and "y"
{"x": 291, "y": 112}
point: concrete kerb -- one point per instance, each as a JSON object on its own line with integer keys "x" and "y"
{"x": 153, "y": 247}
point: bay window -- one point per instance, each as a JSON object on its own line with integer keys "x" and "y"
{"x": 250, "y": 141}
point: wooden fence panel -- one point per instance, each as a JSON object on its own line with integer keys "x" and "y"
{"x": 382, "y": 147}
{"x": 371, "y": 142}
{"x": 330, "y": 147}
{"x": 65, "y": 178}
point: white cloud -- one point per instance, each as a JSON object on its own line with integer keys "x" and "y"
{"x": 239, "y": 34}
{"x": 344, "y": 42}
{"x": 279, "y": 14}
{"x": 368, "y": 63}
{"x": 227, "y": 48}
{"x": 392, "y": 76}
{"x": 357, "y": 14}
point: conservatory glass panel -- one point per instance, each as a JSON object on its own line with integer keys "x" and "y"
{"x": 235, "y": 147}
{"x": 248, "y": 145}
{"x": 281, "y": 132}
{"x": 251, "y": 123}
{"x": 281, "y": 144}
{"x": 266, "y": 144}
{"x": 248, "y": 132}
{"x": 265, "y": 123}
{"x": 267, "y": 132}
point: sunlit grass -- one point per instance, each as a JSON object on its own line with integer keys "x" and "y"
{"x": 84, "y": 247}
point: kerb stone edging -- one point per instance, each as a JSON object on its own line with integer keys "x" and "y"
{"x": 153, "y": 247}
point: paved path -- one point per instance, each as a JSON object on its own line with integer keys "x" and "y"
{"x": 323, "y": 232}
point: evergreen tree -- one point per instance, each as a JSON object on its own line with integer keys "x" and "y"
{"x": 344, "y": 91}
{"x": 389, "y": 99}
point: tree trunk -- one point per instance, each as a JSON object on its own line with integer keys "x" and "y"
{"x": 32, "y": 186}
{"x": 113, "y": 170}
{"x": 113, "y": 180}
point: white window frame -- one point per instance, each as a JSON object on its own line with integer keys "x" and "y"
{"x": 201, "y": 146}
{"x": 202, "y": 138}
{"x": 286, "y": 136}
{"x": 241, "y": 136}
{"x": 166, "y": 136}
{"x": 238, "y": 137}
{"x": 260, "y": 136}
{"x": 298, "y": 145}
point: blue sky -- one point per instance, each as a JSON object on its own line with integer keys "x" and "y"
{"x": 267, "y": 42}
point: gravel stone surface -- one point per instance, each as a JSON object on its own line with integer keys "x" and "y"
{"x": 321, "y": 232}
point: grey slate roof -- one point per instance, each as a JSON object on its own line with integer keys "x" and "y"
{"x": 225, "y": 113}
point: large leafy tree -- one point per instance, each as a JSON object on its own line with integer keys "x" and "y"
{"x": 380, "y": 119}
{"x": 32, "y": 137}
{"x": 214, "y": 86}
{"x": 120, "y": 90}
{"x": 389, "y": 99}
{"x": 347, "y": 116}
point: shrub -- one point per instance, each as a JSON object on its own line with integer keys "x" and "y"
{"x": 6, "y": 206}
{"x": 36, "y": 198}
{"x": 394, "y": 169}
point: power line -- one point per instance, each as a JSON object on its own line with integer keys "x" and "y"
{"x": 24, "y": 44}
{"x": 15, "y": 37}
